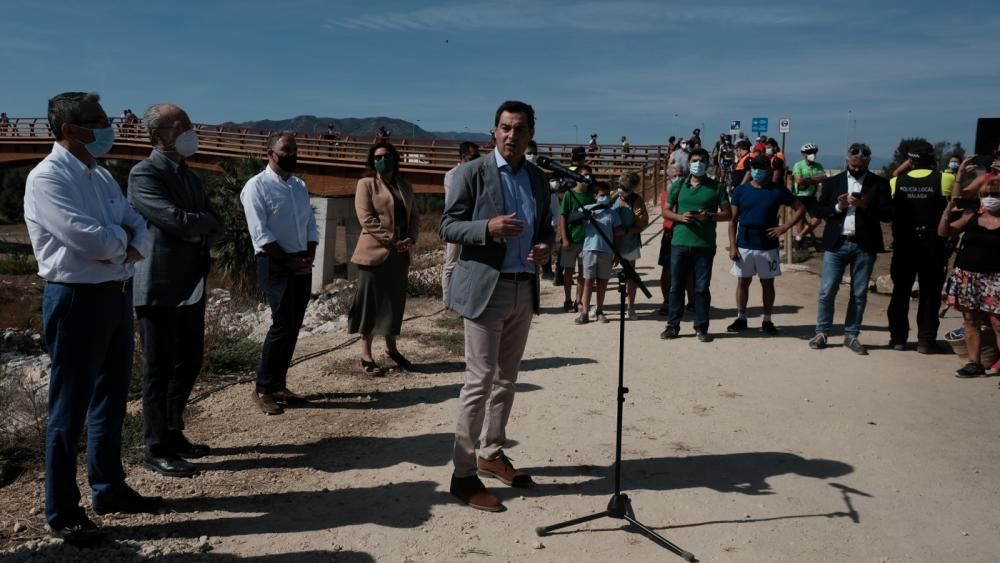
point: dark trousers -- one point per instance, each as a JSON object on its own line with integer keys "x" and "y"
{"x": 88, "y": 331}
{"x": 910, "y": 262}
{"x": 683, "y": 261}
{"x": 173, "y": 344}
{"x": 288, "y": 295}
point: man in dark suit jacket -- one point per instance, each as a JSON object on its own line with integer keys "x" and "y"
{"x": 854, "y": 203}
{"x": 169, "y": 287}
{"x": 498, "y": 211}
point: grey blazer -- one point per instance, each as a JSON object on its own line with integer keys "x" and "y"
{"x": 171, "y": 198}
{"x": 476, "y": 197}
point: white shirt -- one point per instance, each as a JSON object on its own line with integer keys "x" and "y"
{"x": 853, "y": 187}
{"x": 75, "y": 215}
{"x": 278, "y": 211}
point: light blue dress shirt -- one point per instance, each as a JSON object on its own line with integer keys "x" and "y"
{"x": 517, "y": 198}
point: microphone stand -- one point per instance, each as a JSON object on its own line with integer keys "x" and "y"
{"x": 620, "y": 506}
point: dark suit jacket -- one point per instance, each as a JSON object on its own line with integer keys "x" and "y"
{"x": 868, "y": 231}
{"x": 476, "y": 197}
{"x": 171, "y": 198}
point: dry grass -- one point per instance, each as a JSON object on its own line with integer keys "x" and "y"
{"x": 429, "y": 239}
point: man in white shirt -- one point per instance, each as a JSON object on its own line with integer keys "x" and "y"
{"x": 284, "y": 236}
{"x": 467, "y": 152}
{"x": 169, "y": 291}
{"x": 85, "y": 237}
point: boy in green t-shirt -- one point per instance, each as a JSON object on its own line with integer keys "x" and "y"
{"x": 808, "y": 175}
{"x": 695, "y": 204}
{"x": 572, "y": 237}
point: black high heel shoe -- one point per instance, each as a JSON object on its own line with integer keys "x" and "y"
{"x": 401, "y": 361}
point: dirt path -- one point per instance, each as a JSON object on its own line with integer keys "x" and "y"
{"x": 742, "y": 449}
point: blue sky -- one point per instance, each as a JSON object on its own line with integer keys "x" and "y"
{"x": 642, "y": 68}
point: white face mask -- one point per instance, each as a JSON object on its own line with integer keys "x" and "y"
{"x": 811, "y": 157}
{"x": 553, "y": 185}
{"x": 991, "y": 203}
{"x": 769, "y": 151}
{"x": 530, "y": 157}
{"x": 186, "y": 144}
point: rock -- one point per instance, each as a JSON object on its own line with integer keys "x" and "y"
{"x": 537, "y": 545}
{"x": 19, "y": 527}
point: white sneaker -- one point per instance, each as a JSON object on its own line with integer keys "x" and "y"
{"x": 592, "y": 314}
{"x": 630, "y": 315}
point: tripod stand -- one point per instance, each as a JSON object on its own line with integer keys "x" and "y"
{"x": 620, "y": 506}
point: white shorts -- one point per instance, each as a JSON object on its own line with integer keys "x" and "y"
{"x": 765, "y": 264}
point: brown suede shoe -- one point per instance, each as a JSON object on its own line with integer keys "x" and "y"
{"x": 471, "y": 491}
{"x": 266, "y": 403}
{"x": 501, "y": 468}
{"x": 288, "y": 397}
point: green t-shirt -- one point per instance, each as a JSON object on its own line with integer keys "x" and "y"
{"x": 571, "y": 201}
{"x": 710, "y": 195}
{"x": 806, "y": 169}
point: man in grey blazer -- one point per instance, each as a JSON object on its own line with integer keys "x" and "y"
{"x": 169, "y": 287}
{"x": 498, "y": 211}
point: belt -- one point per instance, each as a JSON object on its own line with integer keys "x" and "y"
{"x": 123, "y": 284}
{"x": 851, "y": 238}
{"x": 518, "y": 276}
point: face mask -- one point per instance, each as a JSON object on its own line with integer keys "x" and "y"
{"x": 103, "y": 139}
{"x": 953, "y": 165}
{"x": 530, "y": 158}
{"x": 769, "y": 151}
{"x": 288, "y": 162}
{"x": 698, "y": 168}
{"x": 384, "y": 165}
{"x": 811, "y": 157}
{"x": 991, "y": 203}
{"x": 554, "y": 185}
{"x": 684, "y": 145}
{"x": 857, "y": 173}
{"x": 186, "y": 144}
{"x": 603, "y": 200}
{"x": 758, "y": 175}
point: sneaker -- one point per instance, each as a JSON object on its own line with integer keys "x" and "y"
{"x": 81, "y": 534}
{"x": 703, "y": 336}
{"x": 897, "y": 345}
{"x": 818, "y": 342}
{"x": 739, "y": 325}
{"x": 631, "y": 315}
{"x": 669, "y": 333}
{"x": 582, "y": 319}
{"x": 568, "y": 306}
{"x": 854, "y": 345}
{"x": 767, "y": 327}
{"x": 994, "y": 368}
{"x": 600, "y": 316}
{"x": 592, "y": 314}
{"x": 971, "y": 369}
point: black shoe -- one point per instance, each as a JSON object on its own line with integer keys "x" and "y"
{"x": 83, "y": 533}
{"x": 663, "y": 311}
{"x": 189, "y": 450}
{"x": 929, "y": 348}
{"x": 767, "y": 327}
{"x": 669, "y": 333}
{"x": 971, "y": 369}
{"x": 818, "y": 342}
{"x": 127, "y": 501}
{"x": 897, "y": 345}
{"x": 568, "y": 306}
{"x": 703, "y": 336}
{"x": 739, "y": 325}
{"x": 558, "y": 281}
{"x": 401, "y": 361}
{"x": 170, "y": 466}
{"x": 854, "y": 345}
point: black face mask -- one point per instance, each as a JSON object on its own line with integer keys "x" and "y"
{"x": 857, "y": 173}
{"x": 288, "y": 162}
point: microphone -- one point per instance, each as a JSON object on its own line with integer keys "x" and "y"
{"x": 549, "y": 164}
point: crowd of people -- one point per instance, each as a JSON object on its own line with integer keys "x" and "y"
{"x": 109, "y": 259}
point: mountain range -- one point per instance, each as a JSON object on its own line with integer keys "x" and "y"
{"x": 357, "y": 126}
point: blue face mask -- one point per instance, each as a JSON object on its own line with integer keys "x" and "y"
{"x": 103, "y": 139}
{"x": 953, "y": 165}
{"x": 603, "y": 200}
{"x": 758, "y": 175}
{"x": 698, "y": 168}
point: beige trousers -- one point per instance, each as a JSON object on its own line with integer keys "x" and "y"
{"x": 452, "y": 252}
{"x": 494, "y": 344}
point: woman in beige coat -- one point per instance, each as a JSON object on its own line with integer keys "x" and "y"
{"x": 385, "y": 207}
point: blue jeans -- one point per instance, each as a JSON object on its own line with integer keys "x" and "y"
{"x": 683, "y": 261}
{"x": 88, "y": 331}
{"x": 834, "y": 263}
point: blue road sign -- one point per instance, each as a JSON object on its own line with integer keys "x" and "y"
{"x": 734, "y": 125}
{"x": 758, "y": 125}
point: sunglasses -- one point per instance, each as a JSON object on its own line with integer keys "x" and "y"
{"x": 860, "y": 151}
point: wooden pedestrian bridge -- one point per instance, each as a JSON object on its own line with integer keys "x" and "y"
{"x": 331, "y": 168}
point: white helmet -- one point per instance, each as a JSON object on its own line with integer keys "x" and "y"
{"x": 809, "y": 147}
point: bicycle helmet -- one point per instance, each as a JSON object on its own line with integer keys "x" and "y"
{"x": 809, "y": 147}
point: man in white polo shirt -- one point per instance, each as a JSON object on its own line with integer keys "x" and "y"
{"x": 85, "y": 237}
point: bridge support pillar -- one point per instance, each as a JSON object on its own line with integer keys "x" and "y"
{"x": 331, "y": 213}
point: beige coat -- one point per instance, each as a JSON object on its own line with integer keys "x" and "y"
{"x": 375, "y": 206}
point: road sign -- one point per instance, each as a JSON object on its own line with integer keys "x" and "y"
{"x": 758, "y": 125}
{"x": 734, "y": 125}
{"x": 784, "y": 125}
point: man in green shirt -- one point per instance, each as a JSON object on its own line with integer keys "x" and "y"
{"x": 808, "y": 175}
{"x": 695, "y": 204}
{"x": 572, "y": 237}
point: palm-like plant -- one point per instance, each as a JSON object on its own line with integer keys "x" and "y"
{"x": 233, "y": 255}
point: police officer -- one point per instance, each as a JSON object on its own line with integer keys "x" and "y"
{"x": 920, "y": 193}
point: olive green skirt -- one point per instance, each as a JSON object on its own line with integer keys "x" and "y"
{"x": 380, "y": 297}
